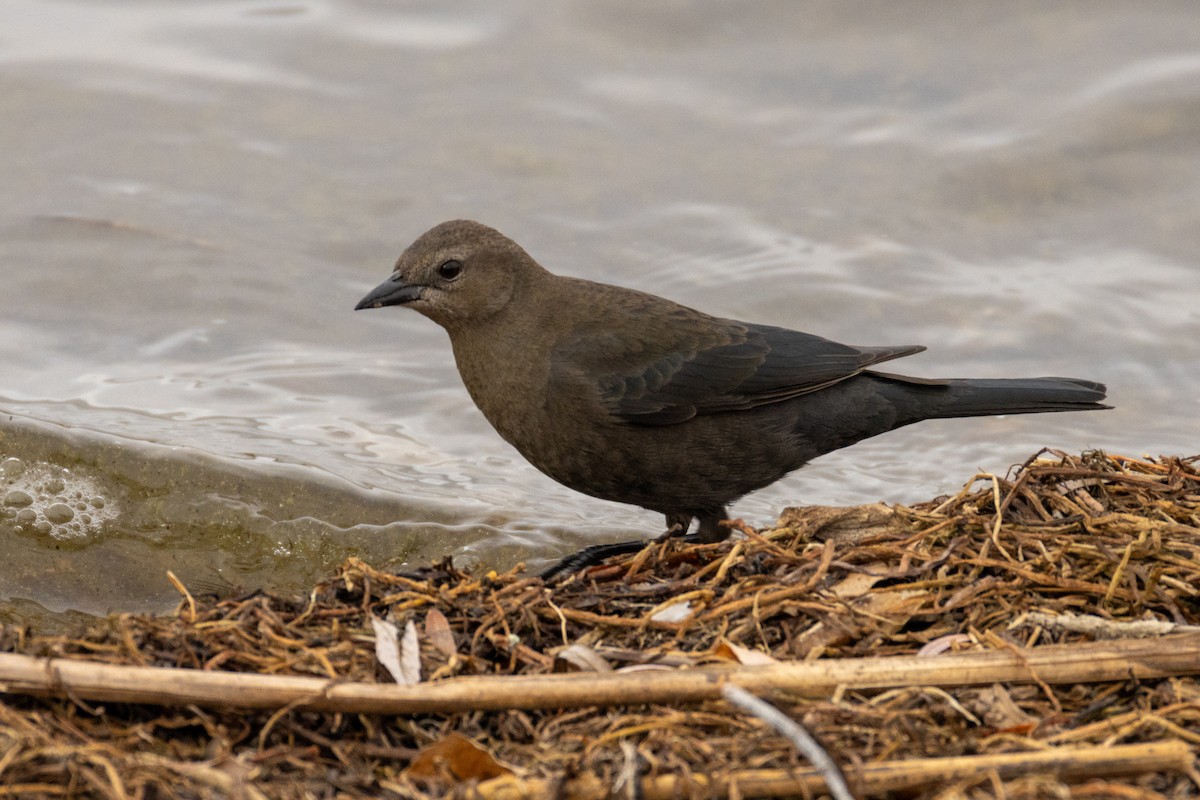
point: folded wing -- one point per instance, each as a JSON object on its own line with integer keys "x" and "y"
{"x": 754, "y": 365}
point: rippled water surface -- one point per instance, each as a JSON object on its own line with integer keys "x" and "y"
{"x": 196, "y": 195}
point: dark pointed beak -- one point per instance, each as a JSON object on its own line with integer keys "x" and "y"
{"x": 392, "y": 292}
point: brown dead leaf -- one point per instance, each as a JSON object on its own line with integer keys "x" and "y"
{"x": 580, "y": 658}
{"x": 996, "y": 707}
{"x": 885, "y": 611}
{"x": 438, "y": 632}
{"x": 856, "y": 584}
{"x": 743, "y": 655}
{"x": 458, "y": 758}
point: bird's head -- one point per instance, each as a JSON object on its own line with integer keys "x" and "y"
{"x": 455, "y": 273}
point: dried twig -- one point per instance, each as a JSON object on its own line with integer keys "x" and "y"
{"x": 795, "y": 733}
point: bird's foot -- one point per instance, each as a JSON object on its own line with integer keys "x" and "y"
{"x": 677, "y": 526}
{"x": 712, "y": 529}
{"x": 589, "y": 557}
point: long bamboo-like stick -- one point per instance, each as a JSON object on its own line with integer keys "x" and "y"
{"x": 1069, "y": 763}
{"x": 1076, "y": 663}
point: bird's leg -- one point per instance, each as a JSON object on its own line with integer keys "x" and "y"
{"x": 677, "y": 525}
{"x": 711, "y": 530}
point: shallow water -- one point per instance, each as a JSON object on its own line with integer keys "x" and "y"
{"x": 195, "y": 198}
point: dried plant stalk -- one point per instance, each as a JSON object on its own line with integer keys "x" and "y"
{"x": 1082, "y": 662}
{"x": 890, "y": 776}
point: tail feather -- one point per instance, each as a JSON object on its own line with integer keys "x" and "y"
{"x": 976, "y": 397}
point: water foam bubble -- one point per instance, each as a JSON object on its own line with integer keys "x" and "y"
{"x": 46, "y": 499}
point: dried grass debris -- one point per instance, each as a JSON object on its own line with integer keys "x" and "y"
{"x": 1066, "y": 550}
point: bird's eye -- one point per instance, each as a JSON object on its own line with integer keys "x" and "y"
{"x": 450, "y": 270}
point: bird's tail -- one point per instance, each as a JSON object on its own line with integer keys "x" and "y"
{"x": 978, "y": 397}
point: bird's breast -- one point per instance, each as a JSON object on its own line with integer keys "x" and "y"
{"x": 545, "y": 408}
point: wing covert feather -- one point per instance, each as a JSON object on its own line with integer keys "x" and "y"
{"x": 745, "y": 366}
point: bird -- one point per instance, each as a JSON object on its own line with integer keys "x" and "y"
{"x": 627, "y": 396}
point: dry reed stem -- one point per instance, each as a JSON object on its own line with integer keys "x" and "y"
{"x": 1085, "y": 662}
{"x": 869, "y": 779}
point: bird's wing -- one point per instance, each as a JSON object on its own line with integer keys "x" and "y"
{"x": 747, "y": 366}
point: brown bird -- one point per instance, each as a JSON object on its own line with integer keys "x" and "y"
{"x": 630, "y": 397}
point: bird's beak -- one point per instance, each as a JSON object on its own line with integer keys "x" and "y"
{"x": 392, "y": 292}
